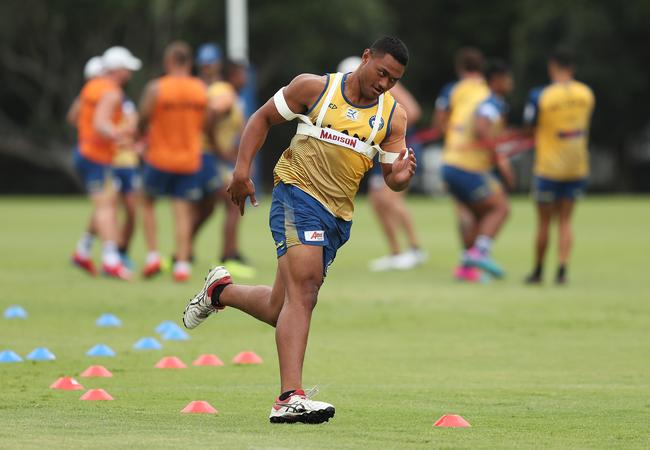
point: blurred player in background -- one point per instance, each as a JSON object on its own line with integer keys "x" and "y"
{"x": 225, "y": 123}
{"x": 344, "y": 119}
{"x": 209, "y": 67}
{"x": 127, "y": 180}
{"x": 481, "y": 204}
{"x": 390, "y": 206}
{"x": 560, "y": 114}
{"x": 172, "y": 110}
{"x": 101, "y": 129}
{"x": 228, "y": 123}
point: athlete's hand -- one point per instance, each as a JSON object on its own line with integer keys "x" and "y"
{"x": 240, "y": 188}
{"x": 404, "y": 167}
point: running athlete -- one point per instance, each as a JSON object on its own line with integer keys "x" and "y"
{"x": 390, "y": 206}
{"x": 480, "y": 204}
{"x": 173, "y": 110}
{"x": 560, "y": 114}
{"x": 345, "y": 119}
{"x": 100, "y": 130}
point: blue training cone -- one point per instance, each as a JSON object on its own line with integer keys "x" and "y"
{"x": 100, "y": 350}
{"x": 41, "y": 354}
{"x": 175, "y": 334}
{"x": 165, "y": 326}
{"x": 108, "y": 320}
{"x": 15, "y": 312}
{"x": 147, "y": 343}
{"x": 8, "y": 356}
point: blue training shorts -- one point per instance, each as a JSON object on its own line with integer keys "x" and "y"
{"x": 126, "y": 179}
{"x": 298, "y": 218}
{"x": 95, "y": 176}
{"x": 208, "y": 177}
{"x": 178, "y": 185}
{"x": 548, "y": 191}
{"x": 469, "y": 187}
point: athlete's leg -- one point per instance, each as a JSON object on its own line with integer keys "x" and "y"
{"x": 130, "y": 203}
{"x": 230, "y": 228}
{"x": 402, "y": 215}
{"x": 182, "y": 212}
{"x": 565, "y": 211}
{"x": 467, "y": 225}
{"x": 149, "y": 223}
{"x": 381, "y": 205}
{"x": 262, "y": 302}
{"x": 203, "y": 209}
{"x": 303, "y": 275}
{"x": 491, "y": 213}
{"x": 104, "y": 214}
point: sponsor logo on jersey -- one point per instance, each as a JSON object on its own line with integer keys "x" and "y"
{"x": 338, "y": 138}
{"x": 332, "y": 106}
{"x": 371, "y": 122}
{"x": 352, "y": 114}
{"x": 315, "y": 236}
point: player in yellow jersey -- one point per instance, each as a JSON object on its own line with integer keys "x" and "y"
{"x": 345, "y": 119}
{"x": 480, "y": 204}
{"x": 560, "y": 114}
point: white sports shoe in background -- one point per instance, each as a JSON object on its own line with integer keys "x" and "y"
{"x": 200, "y": 306}
{"x": 300, "y": 408}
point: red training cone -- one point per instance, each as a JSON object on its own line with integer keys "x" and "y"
{"x": 452, "y": 421}
{"x": 247, "y": 358}
{"x": 199, "y": 407}
{"x": 96, "y": 394}
{"x": 170, "y": 362}
{"x": 207, "y": 360}
{"x": 67, "y": 384}
{"x": 96, "y": 371}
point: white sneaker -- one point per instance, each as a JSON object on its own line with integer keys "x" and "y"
{"x": 200, "y": 306}
{"x": 300, "y": 408}
{"x": 382, "y": 264}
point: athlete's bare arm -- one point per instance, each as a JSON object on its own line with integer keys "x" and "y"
{"x": 73, "y": 113}
{"x": 106, "y": 106}
{"x": 300, "y": 94}
{"x": 398, "y": 175}
{"x": 147, "y": 103}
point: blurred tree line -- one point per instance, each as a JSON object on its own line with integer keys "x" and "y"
{"x": 45, "y": 44}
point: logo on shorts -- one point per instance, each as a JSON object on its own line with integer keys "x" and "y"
{"x": 315, "y": 236}
{"x": 352, "y": 114}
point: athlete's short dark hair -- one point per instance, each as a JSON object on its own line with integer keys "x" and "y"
{"x": 469, "y": 59}
{"x": 393, "y": 46}
{"x": 563, "y": 57}
{"x": 180, "y": 52}
{"x": 496, "y": 67}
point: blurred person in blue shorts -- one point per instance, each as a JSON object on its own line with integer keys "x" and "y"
{"x": 560, "y": 114}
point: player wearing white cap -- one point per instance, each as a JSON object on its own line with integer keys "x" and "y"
{"x": 98, "y": 119}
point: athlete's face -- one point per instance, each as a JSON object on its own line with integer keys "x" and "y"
{"x": 378, "y": 73}
{"x": 502, "y": 84}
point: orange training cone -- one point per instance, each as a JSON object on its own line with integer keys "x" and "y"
{"x": 199, "y": 407}
{"x": 96, "y": 371}
{"x": 170, "y": 362}
{"x": 208, "y": 360}
{"x": 96, "y": 394}
{"x": 66, "y": 384}
{"x": 247, "y": 358}
{"x": 452, "y": 421}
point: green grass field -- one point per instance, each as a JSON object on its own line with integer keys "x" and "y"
{"x": 528, "y": 367}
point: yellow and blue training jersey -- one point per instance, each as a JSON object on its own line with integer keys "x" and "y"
{"x": 561, "y": 114}
{"x": 461, "y": 100}
{"x": 329, "y": 172}
{"x": 228, "y": 129}
{"x": 125, "y": 155}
